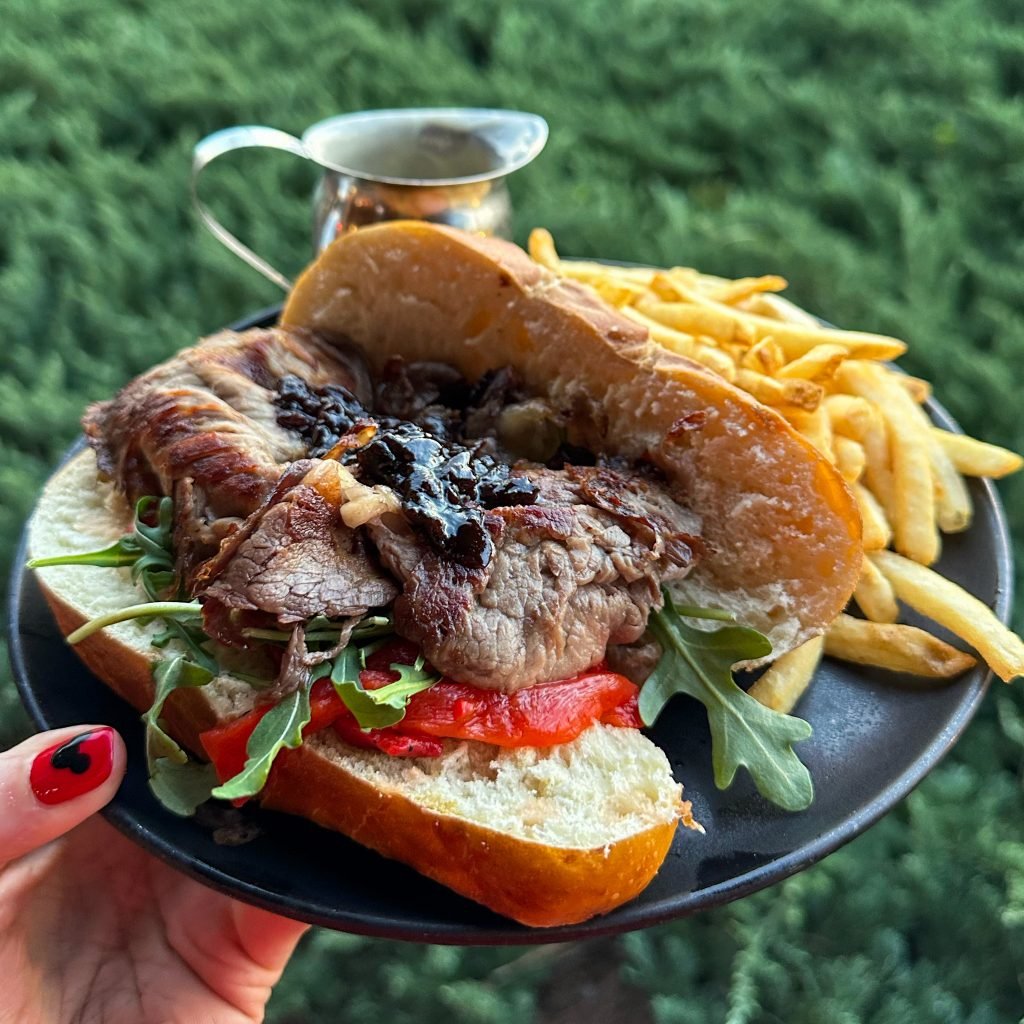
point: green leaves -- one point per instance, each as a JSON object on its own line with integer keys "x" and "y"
{"x": 279, "y": 728}
{"x": 149, "y": 610}
{"x": 154, "y": 568}
{"x": 181, "y": 788}
{"x": 147, "y": 549}
{"x": 175, "y": 781}
{"x": 743, "y": 732}
{"x": 384, "y": 706}
{"x": 121, "y": 553}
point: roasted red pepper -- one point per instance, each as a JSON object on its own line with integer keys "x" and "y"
{"x": 538, "y": 716}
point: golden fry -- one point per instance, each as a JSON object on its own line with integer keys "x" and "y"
{"x": 732, "y": 292}
{"x": 876, "y": 532}
{"x": 874, "y": 595}
{"x": 919, "y": 390}
{"x": 953, "y": 507}
{"x": 819, "y": 364}
{"x": 913, "y": 489}
{"x": 878, "y": 467}
{"x": 787, "y": 678}
{"x": 715, "y": 360}
{"x": 685, "y": 316}
{"x": 951, "y": 606}
{"x": 851, "y": 416}
{"x": 796, "y": 339}
{"x": 894, "y": 647}
{"x": 616, "y": 291}
{"x": 850, "y": 458}
{"x": 775, "y": 307}
{"x": 817, "y": 428}
{"x": 588, "y": 271}
{"x": 673, "y": 340}
{"x": 542, "y": 249}
{"x": 764, "y": 389}
{"x": 977, "y": 458}
{"x": 804, "y": 394}
{"x": 765, "y": 357}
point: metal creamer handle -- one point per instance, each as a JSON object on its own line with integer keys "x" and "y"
{"x": 224, "y": 141}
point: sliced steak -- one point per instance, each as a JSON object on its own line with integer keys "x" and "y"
{"x": 578, "y": 570}
{"x": 202, "y": 428}
{"x": 292, "y": 560}
{"x": 208, "y": 414}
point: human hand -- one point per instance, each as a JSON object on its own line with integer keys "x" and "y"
{"x": 95, "y": 930}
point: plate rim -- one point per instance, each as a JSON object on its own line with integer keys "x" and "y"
{"x": 630, "y": 916}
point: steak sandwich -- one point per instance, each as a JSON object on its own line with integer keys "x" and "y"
{"x": 396, "y": 563}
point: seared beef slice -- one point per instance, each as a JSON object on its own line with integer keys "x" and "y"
{"x": 299, "y": 560}
{"x": 567, "y": 578}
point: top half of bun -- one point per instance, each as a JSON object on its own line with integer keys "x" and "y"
{"x": 782, "y": 529}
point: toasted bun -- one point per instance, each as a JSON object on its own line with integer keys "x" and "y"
{"x": 547, "y": 837}
{"x": 783, "y": 529}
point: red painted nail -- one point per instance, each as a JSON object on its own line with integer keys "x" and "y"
{"x": 74, "y": 767}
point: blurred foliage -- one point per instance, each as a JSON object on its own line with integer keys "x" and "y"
{"x": 869, "y": 152}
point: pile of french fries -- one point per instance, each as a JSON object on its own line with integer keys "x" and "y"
{"x": 837, "y": 389}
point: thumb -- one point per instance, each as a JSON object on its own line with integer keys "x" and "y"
{"x": 54, "y": 781}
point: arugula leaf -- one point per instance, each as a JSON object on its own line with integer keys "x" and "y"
{"x": 147, "y": 549}
{"x": 149, "y": 610}
{"x": 743, "y": 731}
{"x": 124, "y": 551}
{"x": 193, "y": 638}
{"x": 322, "y": 630}
{"x": 377, "y": 709}
{"x": 154, "y": 569}
{"x": 181, "y": 788}
{"x": 169, "y": 676}
{"x": 178, "y": 783}
{"x": 280, "y": 727}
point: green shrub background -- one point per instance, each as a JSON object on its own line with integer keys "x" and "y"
{"x": 873, "y": 153}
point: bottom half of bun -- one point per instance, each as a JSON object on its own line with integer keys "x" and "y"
{"x": 547, "y": 836}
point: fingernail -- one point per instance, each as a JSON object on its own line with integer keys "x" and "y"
{"x": 74, "y": 767}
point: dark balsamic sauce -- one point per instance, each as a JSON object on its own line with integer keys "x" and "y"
{"x": 445, "y": 485}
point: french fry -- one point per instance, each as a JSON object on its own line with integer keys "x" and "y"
{"x": 804, "y": 394}
{"x": 913, "y": 489}
{"x": 817, "y": 428}
{"x": 919, "y": 390}
{"x": 953, "y": 507}
{"x": 874, "y": 595}
{"x": 796, "y": 339}
{"x": 675, "y": 341}
{"x": 876, "y": 532}
{"x": 542, "y": 249}
{"x": 851, "y": 416}
{"x": 731, "y": 292}
{"x": 850, "y": 457}
{"x": 765, "y": 357}
{"x": 685, "y": 316}
{"x": 715, "y": 360}
{"x": 977, "y": 458}
{"x": 764, "y": 389}
{"x": 616, "y": 291}
{"x": 878, "y": 467}
{"x": 894, "y": 647}
{"x": 787, "y": 679}
{"x": 951, "y": 606}
{"x": 587, "y": 270}
{"x": 819, "y": 364}
{"x": 775, "y": 307}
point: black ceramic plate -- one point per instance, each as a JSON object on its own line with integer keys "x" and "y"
{"x": 875, "y": 737}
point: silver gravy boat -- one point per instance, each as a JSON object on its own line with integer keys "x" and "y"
{"x": 446, "y": 165}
